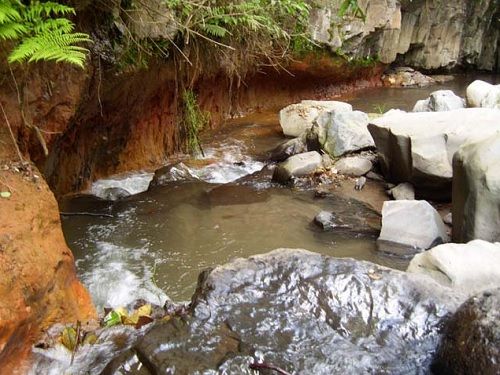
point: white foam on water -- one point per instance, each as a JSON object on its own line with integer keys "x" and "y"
{"x": 119, "y": 276}
{"x": 134, "y": 183}
{"x": 232, "y": 163}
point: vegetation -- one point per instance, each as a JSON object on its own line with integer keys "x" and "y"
{"x": 194, "y": 120}
{"x": 41, "y": 31}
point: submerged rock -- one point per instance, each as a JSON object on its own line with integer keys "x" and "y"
{"x": 297, "y": 166}
{"x": 471, "y": 342}
{"x": 415, "y": 224}
{"x": 328, "y": 221}
{"x": 419, "y": 147}
{"x": 305, "y": 313}
{"x": 476, "y": 191}
{"x": 297, "y": 118}
{"x": 468, "y": 268}
{"x": 439, "y": 101}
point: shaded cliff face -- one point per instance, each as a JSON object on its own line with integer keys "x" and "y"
{"x": 426, "y": 34}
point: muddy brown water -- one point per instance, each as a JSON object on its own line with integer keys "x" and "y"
{"x": 157, "y": 242}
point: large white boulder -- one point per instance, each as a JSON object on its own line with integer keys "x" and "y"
{"x": 476, "y": 191}
{"x": 440, "y": 101}
{"x": 483, "y": 94}
{"x": 344, "y": 132}
{"x": 298, "y": 118}
{"x": 411, "y": 223}
{"x": 297, "y": 166}
{"x": 469, "y": 268}
{"x": 419, "y": 147}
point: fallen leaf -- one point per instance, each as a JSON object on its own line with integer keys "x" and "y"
{"x": 112, "y": 319}
{"x": 5, "y": 194}
{"x": 68, "y": 338}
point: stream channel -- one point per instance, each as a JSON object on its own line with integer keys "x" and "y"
{"x": 158, "y": 241}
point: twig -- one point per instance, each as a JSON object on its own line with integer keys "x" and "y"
{"x": 11, "y": 189}
{"x": 12, "y": 134}
{"x": 84, "y": 214}
{"x": 267, "y": 366}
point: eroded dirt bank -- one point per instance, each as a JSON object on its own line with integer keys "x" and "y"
{"x": 38, "y": 283}
{"x": 132, "y": 122}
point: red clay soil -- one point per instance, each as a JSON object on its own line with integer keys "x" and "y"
{"x": 38, "y": 283}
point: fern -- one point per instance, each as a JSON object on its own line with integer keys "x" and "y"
{"x": 42, "y": 32}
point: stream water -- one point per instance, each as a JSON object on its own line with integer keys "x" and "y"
{"x": 158, "y": 241}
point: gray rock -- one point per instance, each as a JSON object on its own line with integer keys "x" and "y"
{"x": 419, "y": 147}
{"x": 471, "y": 342}
{"x": 172, "y": 173}
{"x": 440, "y": 101}
{"x": 297, "y": 118}
{"x": 403, "y": 191}
{"x": 353, "y": 166}
{"x": 360, "y": 183}
{"x": 407, "y": 77}
{"x": 288, "y": 148}
{"x": 414, "y": 224}
{"x": 297, "y": 166}
{"x": 483, "y": 94}
{"x": 115, "y": 193}
{"x": 305, "y": 313}
{"x": 328, "y": 221}
{"x": 468, "y": 268}
{"x": 426, "y": 34}
{"x": 345, "y": 132}
{"x": 476, "y": 191}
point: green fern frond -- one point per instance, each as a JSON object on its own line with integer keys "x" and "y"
{"x": 54, "y": 46}
{"x": 43, "y": 31}
{"x": 215, "y": 30}
{"x": 12, "y": 30}
{"x": 8, "y": 13}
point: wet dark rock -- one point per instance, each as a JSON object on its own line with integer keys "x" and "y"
{"x": 288, "y": 148}
{"x": 115, "y": 193}
{"x": 305, "y": 313}
{"x": 172, "y": 173}
{"x": 471, "y": 342}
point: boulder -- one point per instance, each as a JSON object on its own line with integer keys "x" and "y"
{"x": 404, "y": 76}
{"x": 297, "y": 166}
{"x": 172, "y": 173}
{"x": 297, "y": 118}
{"x": 471, "y": 341}
{"x": 469, "y": 268}
{"x": 476, "y": 191}
{"x": 404, "y": 191}
{"x": 305, "y": 313}
{"x": 439, "y": 101}
{"x": 353, "y": 166}
{"x": 288, "y": 148}
{"x": 419, "y": 147}
{"x": 413, "y": 224}
{"x": 344, "y": 132}
{"x": 483, "y": 94}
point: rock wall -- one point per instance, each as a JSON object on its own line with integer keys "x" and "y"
{"x": 426, "y": 34}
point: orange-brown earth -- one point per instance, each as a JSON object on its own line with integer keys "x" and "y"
{"x": 38, "y": 283}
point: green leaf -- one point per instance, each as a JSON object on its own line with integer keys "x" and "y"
{"x": 112, "y": 319}
{"x": 5, "y": 194}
